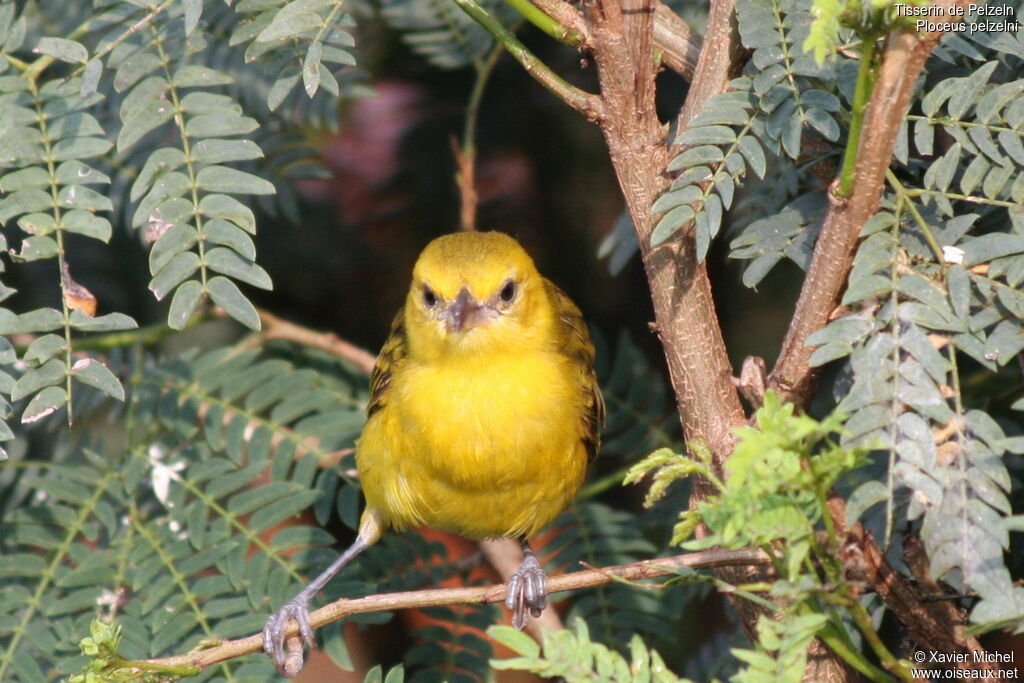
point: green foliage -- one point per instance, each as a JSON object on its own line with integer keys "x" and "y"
{"x": 911, "y": 310}
{"x": 171, "y": 96}
{"x": 773, "y": 489}
{"x": 985, "y": 119}
{"x": 572, "y": 656}
{"x": 773, "y": 496}
{"x": 183, "y": 192}
{"x": 795, "y": 92}
{"x": 438, "y": 31}
{"x": 168, "y": 534}
{"x": 933, "y": 301}
{"x": 936, "y": 281}
{"x": 781, "y": 655}
{"x": 788, "y": 234}
{"x": 50, "y": 141}
{"x": 453, "y": 649}
{"x": 868, "y": 19}
{"x": 295, "y": 41}
{"x": 782, "y": 93}
{"x": 143, "y": 532}
{"x": 716, "y": 158}
{"x": 376, "y": 675}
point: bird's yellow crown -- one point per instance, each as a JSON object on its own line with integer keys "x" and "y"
{"x": 475, "y": 291}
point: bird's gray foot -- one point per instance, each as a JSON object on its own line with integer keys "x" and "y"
{"x": 527, "y": 590}
{"x": 288, "y": 661}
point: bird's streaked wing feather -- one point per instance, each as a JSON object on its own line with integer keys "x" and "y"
{"x": 391, "y": 356}
{"x": 574, "y": 341}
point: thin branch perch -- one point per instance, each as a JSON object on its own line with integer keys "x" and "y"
{"x": 384, "y": 602}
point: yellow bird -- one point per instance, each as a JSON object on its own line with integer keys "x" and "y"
{"x": 484, "y": 411}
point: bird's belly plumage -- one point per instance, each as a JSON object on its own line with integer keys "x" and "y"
{"x": 485, "y": 449}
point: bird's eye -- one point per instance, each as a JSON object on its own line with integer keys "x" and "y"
{"x": 508, "y": 292}
{"x": 429, "y": 298}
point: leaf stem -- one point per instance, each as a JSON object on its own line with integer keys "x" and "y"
{"x": 62, "y": 266}
{"x": 190, "y": 163}
{"x": 921, "y": 222}
{"x": 131, "y": 30}
{"x": 18, "y": 64}
{"x": 830, "y": 636}
{"x": 862, "y": 619}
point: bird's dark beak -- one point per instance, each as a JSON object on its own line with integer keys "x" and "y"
{"x": 465, "y": 312}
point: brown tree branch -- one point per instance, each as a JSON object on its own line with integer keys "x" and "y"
{"x": 684, "y": 310}
{"x": 566, "y": 15}
{"x": 384, "y": 602}
{"x": 717, "y": 65}
{"x": 903, "y": 59}
{"x": 933, "y": 625}
{"x": 679, "y": 44}
{"x": 279, "y": 328}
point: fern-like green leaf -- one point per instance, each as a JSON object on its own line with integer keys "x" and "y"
{"x": 192, "y": 531}
{"x": 572, "y": 656}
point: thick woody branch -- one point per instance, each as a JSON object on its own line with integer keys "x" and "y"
{"x": 384, "y": 602}
{"x": 716, "y": 65}
{"x": 679, "y": 44}
{"x": 680, "y": 288}
{"x": 903, "y": 59}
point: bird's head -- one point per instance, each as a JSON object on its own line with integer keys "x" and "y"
{"x": 473, "y": 291}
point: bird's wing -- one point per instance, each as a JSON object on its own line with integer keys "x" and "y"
{"x": 574, "y": 342}
{"x": 391, "y": 356}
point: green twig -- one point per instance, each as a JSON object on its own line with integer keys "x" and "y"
{"x": 583, "y": 102}
{"x": 599, "y": 486}
{"x": 830, "y": 635}
{"x": 483, "y": 74}
{"x": 134, "y": 666}
{"x": 530, "y": 12}
{"x": 866, "y": 74}
{"x": 862, "y": 619}
{"x": 18, "y": 64}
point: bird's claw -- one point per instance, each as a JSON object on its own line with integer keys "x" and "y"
{"x": 527, "y": 590}
{"x": 288, "y": 661}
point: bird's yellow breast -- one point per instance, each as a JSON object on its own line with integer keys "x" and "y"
{"x": 485, "y": 447}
